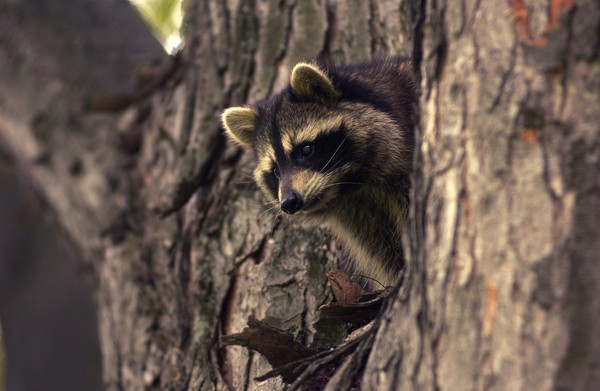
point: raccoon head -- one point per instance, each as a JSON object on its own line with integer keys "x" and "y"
{"x": 312, "y": 145}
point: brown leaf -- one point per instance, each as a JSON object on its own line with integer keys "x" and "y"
{"x": 361, "y": 312}
{"x": 278, "y": 346}
{"x": 344, "y": 289}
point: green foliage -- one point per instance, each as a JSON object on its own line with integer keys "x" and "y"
{"x": 164, "y": 18}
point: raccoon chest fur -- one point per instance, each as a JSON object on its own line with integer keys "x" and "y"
{"x": 371, "y": 226}
{"x": 336, "y": 146}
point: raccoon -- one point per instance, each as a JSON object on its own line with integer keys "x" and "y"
{"x": 336, "y": 146}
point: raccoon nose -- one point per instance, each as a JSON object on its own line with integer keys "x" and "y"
{"x": 292, "y": 203}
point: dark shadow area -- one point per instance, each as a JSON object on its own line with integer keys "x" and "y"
{"x": 46, "y": 307}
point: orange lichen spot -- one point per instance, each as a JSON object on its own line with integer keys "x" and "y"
{"x": 521, "y": 19}
{"x": 540, "y": 41}
{"x": 490, "y": 308}
{"x": 557, "y": 7}
{"x": 530, "y": 136}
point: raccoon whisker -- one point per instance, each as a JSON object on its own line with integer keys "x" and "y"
{"x": 333, "y": 155}
{"x": 266, "y": 202}
{"x": 269, "y": 210}
{"x": 312, "y": 184}
{"x": 279, "y": 213}
{"x": 341, "y": 183}
{"x": 272, "y": 204}
{"x": 251, "y": 177}
{"x": 335, "y": 168}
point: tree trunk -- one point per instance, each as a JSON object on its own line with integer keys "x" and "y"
{"x": 501, "y": 289}
{"x": 505, "y": 235}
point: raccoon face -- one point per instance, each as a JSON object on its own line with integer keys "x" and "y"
{"x": 308, "y": 168}
{"x": 313, "y": 145}
{"x": 302, "y": 144}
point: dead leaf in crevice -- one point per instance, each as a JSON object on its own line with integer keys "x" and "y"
{"x": 313, "y": 372}
{"x": 358, "y": 313}
{"x": 278, "y": 346}
{"x": 293, "y": 361}
{"x": 343, "y": 288}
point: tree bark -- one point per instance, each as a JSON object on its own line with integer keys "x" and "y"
{"x": 504, "y": 241}
{"x": 501, "y": 290}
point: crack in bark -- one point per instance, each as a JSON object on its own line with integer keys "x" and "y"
{"x": 204, "y": 177}
{"x": 224, "y": 31}
{"x": 306, "y": 325}
{"x": 183, "y": 268}
{"x": 247, "y": 24}
{"x": 222, "y": 326}
{"x": 505, "y": 76}
{"x": 463, "y": 19}
{"x": 247, "y": 372}
{"x": 330, "y": 32}
{"x": 467, "y": 20}
{"x": 189, "y": 112}
{"x": 252, "y": 55}
{"x": 566, "y": 57}
{"x": 283, "y": 51}
{"x": 227, "y": 33}
{"x": 420, "y": 253}
{"x": 417, "y": 53}
{"x": 374, "y": 31}
{"x": 260, "y": 253}
{"x": 546, "y": 171}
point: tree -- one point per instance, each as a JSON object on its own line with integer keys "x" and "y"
{"x": 501, "y": 285}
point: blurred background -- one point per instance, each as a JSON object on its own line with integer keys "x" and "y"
{"x": 48, "y": 335}
{"x": 46, "y": 307}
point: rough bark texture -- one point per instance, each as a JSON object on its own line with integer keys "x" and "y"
{"x": 502, "y": 286}
{"x": 505, "y": 240}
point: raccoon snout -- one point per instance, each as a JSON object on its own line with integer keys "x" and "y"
{"x": 292, "y": 203}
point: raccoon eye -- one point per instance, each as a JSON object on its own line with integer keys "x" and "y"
{"x": 307, "y": 150}
{"x": 276, "y": 172}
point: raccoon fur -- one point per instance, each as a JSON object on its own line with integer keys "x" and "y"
{"x": 336, "y": 146}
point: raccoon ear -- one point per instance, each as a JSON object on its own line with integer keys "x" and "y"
{"x": 310, "y": 82}
{"x": 240, "y": 122}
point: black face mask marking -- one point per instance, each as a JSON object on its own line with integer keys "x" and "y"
{"x": 327, "y": 152}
